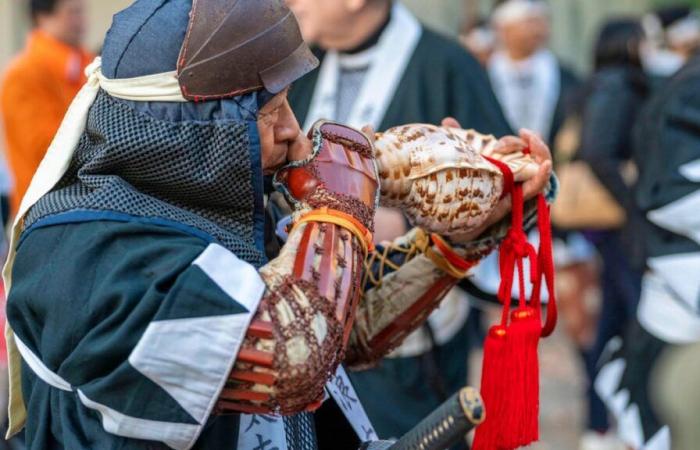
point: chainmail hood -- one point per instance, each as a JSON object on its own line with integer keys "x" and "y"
{"x": 194, "y": 164}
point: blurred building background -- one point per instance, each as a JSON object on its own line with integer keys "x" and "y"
{"x": 14, "y": 22}
{"x": 575, "y": 21}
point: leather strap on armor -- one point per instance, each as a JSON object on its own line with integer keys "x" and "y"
{"x": 326, "y": 215}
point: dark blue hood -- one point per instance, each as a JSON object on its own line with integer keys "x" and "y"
{"x": 145, "y": 38}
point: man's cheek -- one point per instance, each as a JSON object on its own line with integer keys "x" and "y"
{"x": 282, "y": 155}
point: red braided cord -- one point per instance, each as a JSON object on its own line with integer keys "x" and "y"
{"x": 508, "y": 177}
{"x": 515, "y": 248}
{"x": 546, "y": 268}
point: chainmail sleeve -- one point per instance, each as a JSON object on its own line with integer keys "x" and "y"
{"x": 302, "y": 325}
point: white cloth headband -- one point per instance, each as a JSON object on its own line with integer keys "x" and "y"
{"x": 516, "y": 10}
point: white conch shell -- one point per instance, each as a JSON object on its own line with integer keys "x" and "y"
{"x": 440, "y": 178}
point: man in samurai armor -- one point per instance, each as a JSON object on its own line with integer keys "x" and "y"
{"x": 144, "y": 312}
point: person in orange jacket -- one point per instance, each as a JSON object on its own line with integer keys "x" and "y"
{"x": 40, "y": 84}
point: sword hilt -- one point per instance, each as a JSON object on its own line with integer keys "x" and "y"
{"x": 447, "y": 425}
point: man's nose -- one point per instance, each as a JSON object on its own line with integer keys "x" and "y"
{"x": 300, "y": 148}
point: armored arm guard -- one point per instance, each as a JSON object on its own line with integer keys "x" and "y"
{"x": 299, "y": 334}
{"x": 404, "y": 282}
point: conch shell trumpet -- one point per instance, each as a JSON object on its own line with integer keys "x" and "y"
{"x": 440, "y": 177}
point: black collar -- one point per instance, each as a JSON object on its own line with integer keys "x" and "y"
{"x": 373, "y": 39}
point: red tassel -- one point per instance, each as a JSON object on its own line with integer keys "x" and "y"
{"x": 510, "y": 384}
{"x": 525, "y": 334}
{"x": 494, "y": 388}
{"x": 512, "y": 421}
{"x": 510, "y": 375}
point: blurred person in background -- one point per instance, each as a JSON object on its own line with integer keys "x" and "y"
{"x": 381, "y": 66}
{"x": 672, "y": 37}
{"x": 667, "y": 154}
{"x": 6, "y": 188}
{"x": 614, "y": 95}
{"x": 479, "y": 39}
{"x": 40, "y": 84}
{"x": 532, "y": 86}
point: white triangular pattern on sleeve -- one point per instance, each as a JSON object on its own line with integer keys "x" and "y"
{"x": 191, "y": 358}
{"x": 240, "y": 280}
{"x": 691, "y": 171}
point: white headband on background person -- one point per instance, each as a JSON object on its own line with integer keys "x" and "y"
{"x": 517, "y": 10}
{"x": 684, "y": 31}
{"x": 480, "y": 38}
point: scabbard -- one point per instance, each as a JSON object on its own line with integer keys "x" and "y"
{"x": 447, "y": 425}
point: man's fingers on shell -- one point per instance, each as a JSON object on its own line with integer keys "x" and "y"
{"x": 539, "y": 182}
{"x": 451, "y": 122}
{"x": 510, "y": 144}
{"x": 368, "y": 130}
{"x": 538, "y": 148}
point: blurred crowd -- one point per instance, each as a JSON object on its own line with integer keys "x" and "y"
{"x": 626, "y": 148}
{"x": 626, "y": 144}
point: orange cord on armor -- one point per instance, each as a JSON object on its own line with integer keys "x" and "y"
{"x": 452, "y": 257}
{"x": 327, "y": 215}
{"x": 445, "y": 258}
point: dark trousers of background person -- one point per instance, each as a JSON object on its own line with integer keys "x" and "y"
{"x": 621, "y": 285}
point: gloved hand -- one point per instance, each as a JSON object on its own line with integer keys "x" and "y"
{"x": 341, "y": 174}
